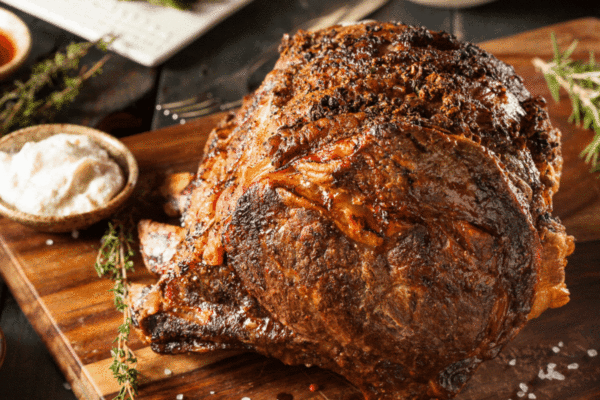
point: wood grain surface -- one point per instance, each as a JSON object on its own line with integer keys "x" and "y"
{"x": 53, "y": 279}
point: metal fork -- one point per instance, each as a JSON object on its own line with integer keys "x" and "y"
{"x": 240, "y": 83}
{"x": 236, "y": 85}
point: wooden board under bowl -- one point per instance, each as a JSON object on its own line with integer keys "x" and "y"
{"x": 71, "y": 309}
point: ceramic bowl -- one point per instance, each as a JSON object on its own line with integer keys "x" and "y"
{"x": 116, "y": 149}
{"x": 16, "y": 31}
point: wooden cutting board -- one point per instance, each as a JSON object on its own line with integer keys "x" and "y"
{"x": 71, "y": 308}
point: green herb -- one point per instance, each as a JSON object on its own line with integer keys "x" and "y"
{"x": 114, "y": 261}
{"x": 581, "y": 80}
{"x": 178, "y": 4}
{"x": 54, "y": 83}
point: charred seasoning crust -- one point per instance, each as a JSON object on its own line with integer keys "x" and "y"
{"x": 380, "y": 206}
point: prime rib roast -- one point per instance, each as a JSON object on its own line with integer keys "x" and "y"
{"x": 380, "y": 206}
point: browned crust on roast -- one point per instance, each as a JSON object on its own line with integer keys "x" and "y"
{"x": 380, "y": 206}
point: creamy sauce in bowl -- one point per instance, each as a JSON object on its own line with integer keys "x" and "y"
{"x": 62, "y": 175}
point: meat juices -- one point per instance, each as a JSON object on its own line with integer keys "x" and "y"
{"x": 380, "y": 207}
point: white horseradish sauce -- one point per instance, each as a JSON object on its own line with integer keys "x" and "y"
{"x": 62, "y": 175}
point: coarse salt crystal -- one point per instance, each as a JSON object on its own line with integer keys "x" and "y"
{"x": 557, "y": 375}
{"x": 523, "y": 387}
{"x": 521, "y": 394}
{"x": 50, "y": 242}
{"x": 179, "y": 396}
{"x": 512, "y": 362}
{"x": 531, "y": 396}
{"x": 246, "y": 398}
{"x": 212, "y": 392}
{"x": 592, "y": 353}
{"x": 67, "y": 386}
{"x": 573, "y": 366}
{"x": 168, "y": 371}
{"x": 75, "y": 234}
{"x": 551, "y": 374}
{"x": 560, "y": 344}
{"x": 556, "y": 349}
{"x": 541, "y": 374}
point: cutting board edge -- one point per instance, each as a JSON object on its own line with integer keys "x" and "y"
{"x": 41, "y": 320}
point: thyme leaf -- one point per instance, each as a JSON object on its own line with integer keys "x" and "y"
{"x": 581, "y": 80}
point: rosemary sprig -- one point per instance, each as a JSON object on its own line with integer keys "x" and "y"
{"x": 53, "y": 83}
{"x": 581, "y": 80}
{"x": 114, "y": 261}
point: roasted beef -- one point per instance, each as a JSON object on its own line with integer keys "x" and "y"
{"x": 380, "y": 207}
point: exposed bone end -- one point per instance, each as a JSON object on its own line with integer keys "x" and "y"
{"x": 158, "y": 244}
{"x": 174, "y": 190}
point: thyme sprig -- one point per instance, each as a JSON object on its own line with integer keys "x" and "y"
{"x": 54, "y": 83}
{"x": 114, "y": 261}
{"x": 581, "y": 80}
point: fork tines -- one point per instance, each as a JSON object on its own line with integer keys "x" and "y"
{"x": 195, "y": 107}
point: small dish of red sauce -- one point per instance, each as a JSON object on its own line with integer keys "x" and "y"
{"x": 15, "y": 43}
{"x": 7, "y": 49}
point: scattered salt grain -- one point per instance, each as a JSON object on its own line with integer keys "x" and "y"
{"x": 521, "y": 394}
{"x": 212, "y": 392}
{"x": 75, "y": 234}
{"x": 557, "y": 375}
{"x": 512, "y": 362}
{"x": 556, "y": 349}
{"x": 560, "y": 344}
{"x": 168, "y": 371}
{"x": 245, "y": 398}
{"x": 179, "y": 396}
{"x": 573, "y": 366}
{"x": 541, "y": 374}
{"x": 50, "y": 242}
{"x": 551, "y": 374}
{"x": 523, "y": 387}
{"x": 531, "y": 396}
{"x": 67, "y": 386}
{"x": 592, "y": 353}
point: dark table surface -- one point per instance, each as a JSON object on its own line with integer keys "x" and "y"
{"x": 122, "y": 101}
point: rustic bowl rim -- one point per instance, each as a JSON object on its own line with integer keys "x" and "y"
{"x": 48, "y": 223}
{"x": 22, "y": 43}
